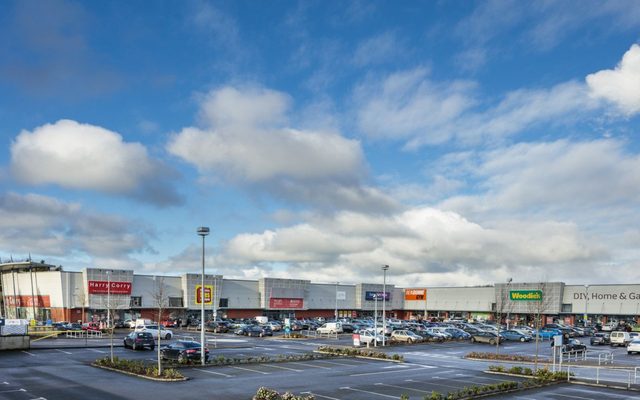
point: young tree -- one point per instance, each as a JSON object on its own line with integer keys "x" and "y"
{"x": 160, "y": 300}
{"x": 503, "y": 306}
{"x": 537, "y": 309}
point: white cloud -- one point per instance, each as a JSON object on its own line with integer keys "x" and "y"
{"x": 621, "y": 85}
{"x": 409, "y": 106}
{"x": 247, "y": 142}
{"x": 83, "y": 156}
{"x": 35, "y": 223}
{"x": 422, "y": 242}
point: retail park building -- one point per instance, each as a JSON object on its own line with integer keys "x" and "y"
{"x": 31, "y": 290}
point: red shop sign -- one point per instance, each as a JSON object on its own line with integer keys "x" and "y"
{"x": 285, "y": 303}
{"x": 101, "y": 287}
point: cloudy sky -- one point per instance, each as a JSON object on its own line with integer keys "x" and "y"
{"x": 461, "y": 143}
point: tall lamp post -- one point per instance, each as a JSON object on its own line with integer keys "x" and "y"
{"x": 375, "y": 320}
{"x": 202, "y": 231}
{"x": 586, "y": 306}
{"x": 384, "y": 301}
{"x": 336, "y": 311}
{"x": 109, "y": 314}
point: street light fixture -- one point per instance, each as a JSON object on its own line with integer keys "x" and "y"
{"x": 586, "y": 306}
{"x": 202, "y": 231}
{"x": 384, "y": 301}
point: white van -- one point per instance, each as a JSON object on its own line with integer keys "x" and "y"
{"x": 261, "y": 319}
{"x": 330, "y": 327}
{"x": 619, "y": 338}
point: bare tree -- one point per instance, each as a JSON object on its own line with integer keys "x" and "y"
{"x": 160, "y": 301}
{"x": 537, "y": 308}
{"x": 503, "y": 306}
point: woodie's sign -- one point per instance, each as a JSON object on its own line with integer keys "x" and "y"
{"x": 525, "y": 295}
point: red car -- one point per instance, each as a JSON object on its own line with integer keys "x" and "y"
{"x": 169, "y": 323}
{"x": 91, "y": 326}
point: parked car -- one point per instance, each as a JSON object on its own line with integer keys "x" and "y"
{"x": 249, "y": 330}
{"x": 515, "y": 335}
{"x": 600, "y": 338}
{"x": 330, "y": 328}
{"x": 620, "y": 338}
{"x": 404, "y": 335}
{"x": 139, "y": 340}
{"x": 633, "y": 346}
{"x": 216, "y": 327}
{"x": 574, "y": 345}
{"x": 183, "y": 350}
{"x": 368, "y": 337}
{"x": 547, "y": 333}
{"x": 155, "y": 331}
{"x": 486, "y": 337}
{"x": 266, "y": 330}
{"x": 91, "y": 326}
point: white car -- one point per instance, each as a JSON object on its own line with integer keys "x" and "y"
{"x": 633, "y": 346}
{"x": 367, "y": 337}
{"x": 153, "y": 329}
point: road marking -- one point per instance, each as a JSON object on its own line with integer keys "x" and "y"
{"x": 573, "y": 397}
{"x": 39, "y": 398}
{"x": 403, "y": 387}
{"x": 455, "y": 352}
{"x": 381, "y": 372}
{"x": 97, "y": 351}
{"x": 281, "y": 367}
{"x": 265, "y": 348}
{"x": 335, "y": 363}
{"x": 320, "y": 396}
{"x": 62, "y": 351}
{"x": 311, "y": 365}
{"x": 26, "y": 352}
{"x": 5, "y": 383}
{"x": 252, "y": 370}
{"x": 214, "y": 373}
{"x": 368, "y": 392}
{"x": 13, "y": 391}
{"x": 396, "y": 366}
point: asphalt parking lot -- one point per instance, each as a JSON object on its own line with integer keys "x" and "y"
{"x": 59, "y": 370}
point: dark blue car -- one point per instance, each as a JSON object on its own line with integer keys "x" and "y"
{"x": 512, "y": 334}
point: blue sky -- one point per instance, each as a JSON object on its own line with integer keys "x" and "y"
{"x": 461, "y": 143}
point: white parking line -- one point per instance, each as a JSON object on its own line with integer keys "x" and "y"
{"x": 368, "y": 392}
{"x": 311, "y": 365}
{"x": 31, "y": 354}
{"x": 214, "y": 373}
{"x": 319, "y": 396}
{"x": 97, "y": 351}
{"x": 381, "y": 372}
{"x": 281, "y": 367}
{"x": 403, "y": 387}
{"x": 252, "y": 370}
{"x": 335, "y": 363}
{"x": 573, "y": 397}
{"x": 62, "y": 351}
{"x": 13, "y": 391}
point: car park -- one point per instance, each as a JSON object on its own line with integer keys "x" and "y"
{"x": 155, "y": 331}
{"x": 404, "y": 335}
{"x": 600, "y": 338}
{"x": 183, "y": 350}
{"x": 139, "y": 340}
{"x": 486, "y": 337}
{"x": 633, "y": 346}
{"x": 547, "y": 333}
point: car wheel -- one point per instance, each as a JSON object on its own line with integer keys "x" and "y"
{"x": 629, "y": 352}
{"x": 168, "y": 336}
{"x": 492, "y": 341}
{"x": 152, "y": 347}
{"x": 125, "y": 345}
{"x": 181, "y": 358}
{"x": 523, "y": 339}
{"x": 473, "y": 340}
{"x": 261, "y": 335}
{"x": 409, "y": 341}
{"x": 133, "y": 346}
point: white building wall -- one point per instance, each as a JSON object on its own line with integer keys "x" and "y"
{"x": 241, "y": 294}
{"x": 323, "y": 297}
{"x": 146, "y": 286}
{"x": 457, "y": 299}
{"x": 603, "y": 299}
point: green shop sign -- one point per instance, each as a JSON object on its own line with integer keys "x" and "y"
{"x": 525, "y": 295}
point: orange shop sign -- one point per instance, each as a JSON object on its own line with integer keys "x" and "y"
{"x": 415, "y": 294}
